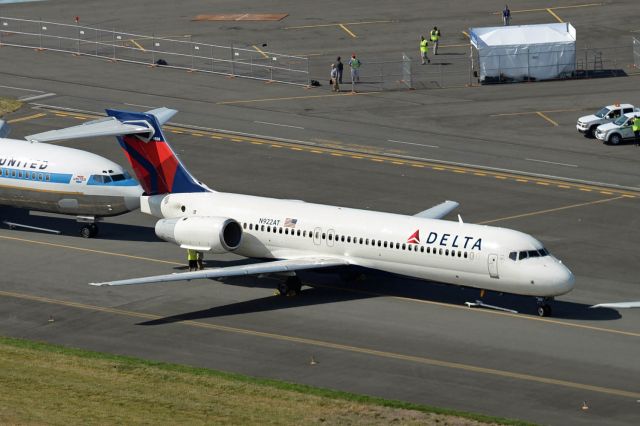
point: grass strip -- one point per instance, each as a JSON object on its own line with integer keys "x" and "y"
{"x": 9, "y": 105}
{"x": 53, "y": 384}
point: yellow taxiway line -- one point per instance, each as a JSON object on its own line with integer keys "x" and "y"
{"x": 29, "y": 117}
{"x": 348, "y": 31}
{"x": 572, "y": 206}
{"x": 138, "y": 45}
{"x": 381, "y": 157}
{"x": 546, "y": 118}
{"x": 552, "y": 8}
{"x": 337, "y": 346}
{"x": 554, "y": 15}
{"x": 337, "y": 24}
{"x": 260, "y": 51}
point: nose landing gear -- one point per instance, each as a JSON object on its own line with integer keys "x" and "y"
{"x": 544, "y": 309}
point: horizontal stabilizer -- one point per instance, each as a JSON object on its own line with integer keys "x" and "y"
{"x": 162, "y": 114}
{"x": 109, "y": 126}
{"x": 439, "y": 211}
{"x": 103, "y": 127}
{"x": 618, "y": 305}
{"x": 288, "y": 265}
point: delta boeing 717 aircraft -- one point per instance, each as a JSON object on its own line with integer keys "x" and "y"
{"x": 289, "y": 235}
{"x": 58, "y": 179}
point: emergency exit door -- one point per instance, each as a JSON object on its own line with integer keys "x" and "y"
{"x": 493, "y": 266}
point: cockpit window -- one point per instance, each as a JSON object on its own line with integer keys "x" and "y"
{"x": 99, "y": 179}
{"x": 525, "y": 254}
{"x": 118, "y": 177}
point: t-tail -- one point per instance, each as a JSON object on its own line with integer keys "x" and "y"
{"x": 155, "y": 164}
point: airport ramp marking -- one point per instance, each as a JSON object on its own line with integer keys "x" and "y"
{"x": 28, "y": 117}
{"x": 336, "y": 346}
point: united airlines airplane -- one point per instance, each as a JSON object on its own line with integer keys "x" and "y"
{"x": 293, "y": 235}
{"x": 58, "y": 179}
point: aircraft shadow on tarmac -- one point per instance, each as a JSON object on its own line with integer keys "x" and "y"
{"x": 69, "y": 226}
{"x": 340, "y": 285}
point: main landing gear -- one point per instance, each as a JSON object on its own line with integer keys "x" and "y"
{"x": 90, "y": 230}
{"x": 291, "y": 286}
{"x": 544, "y": 309}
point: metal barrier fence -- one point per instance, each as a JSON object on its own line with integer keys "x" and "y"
{"x": 149, "y": 50}
{"x": 636, "y": 52}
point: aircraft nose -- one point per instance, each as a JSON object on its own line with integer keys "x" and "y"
{"x": 564, "y": 280}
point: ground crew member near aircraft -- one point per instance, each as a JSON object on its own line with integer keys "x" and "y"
{"x": 192, "y": 258}
{"x": 200, "y": 260}
{"x": 635, "y": 126}
{"x": 355, "y": 64}
{"x": 423, "y": 50}
{"x": 435, "y": 37}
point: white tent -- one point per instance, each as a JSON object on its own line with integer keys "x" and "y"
{"x": 525, "y": 52}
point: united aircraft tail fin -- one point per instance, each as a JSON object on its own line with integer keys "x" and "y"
{"x": 155, "y": 164}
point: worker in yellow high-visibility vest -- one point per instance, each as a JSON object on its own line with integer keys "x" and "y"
{"x": 424, "y": 47}
{"x": 192, "y": 257}
{"x": 636, "y": 128}
{"x": 435, "y": 39}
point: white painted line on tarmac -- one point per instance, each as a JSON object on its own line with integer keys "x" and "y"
{"x": 20, "y": 88}
{"x": 33, "y": 98}
{"x": 280, "y": 125}
{"x": 413, "y": 143}
{"x": 551, "y": 162}
{"x": 142, "y": 106}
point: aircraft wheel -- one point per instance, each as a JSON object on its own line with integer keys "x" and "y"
{"x": 544, "y": 310}
{"x": 85, "y": 232}
{"x": 89, "y": 231}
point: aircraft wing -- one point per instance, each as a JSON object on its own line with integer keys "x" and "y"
{"x": 103, "y": 127}
{"x": 439, "y": 211}
{"x": 287, "y": 265}
{"x": 617, "y": 305}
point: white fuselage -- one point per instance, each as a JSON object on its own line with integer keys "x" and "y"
{"x": 444, "y": 251}
{"x": 58, "y": 179}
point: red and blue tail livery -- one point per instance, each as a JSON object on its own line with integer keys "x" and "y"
{"x": 155, "y": 164}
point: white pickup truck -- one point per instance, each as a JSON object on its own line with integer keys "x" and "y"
{"x": 589, "y": 123}
{"x": 618, "y": 130}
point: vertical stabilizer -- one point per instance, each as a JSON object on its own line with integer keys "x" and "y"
{"x": 155, "y": 164}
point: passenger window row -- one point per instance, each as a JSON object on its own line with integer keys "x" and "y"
{"x": 24, "y": 174}
{"x": 359, "y": 240}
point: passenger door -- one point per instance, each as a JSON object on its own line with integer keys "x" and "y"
{"x": 317, "y": 236}
{"x": 330, "y": 237}
{"x": 493, "y": 265}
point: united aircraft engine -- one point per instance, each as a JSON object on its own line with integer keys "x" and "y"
{"x": 215, "y": 234}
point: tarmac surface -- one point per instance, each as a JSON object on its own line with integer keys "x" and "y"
{"x": 509, "y": 154}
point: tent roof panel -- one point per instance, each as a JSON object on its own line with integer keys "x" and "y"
{"x": 523, "y": 34}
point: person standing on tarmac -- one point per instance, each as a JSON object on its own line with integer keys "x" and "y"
{"x": 334, "y": 78}
{"x": 435, "y": 39}
{"x": 355, "y": 64}
{"x": 200, "y": 260}
{"x": 340, "y": 68}
{"x": 506, "y": 16}
{"x": 423, "y": 50}
{"x": 635, "y": 126}
{"x": 192, "y": 258}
